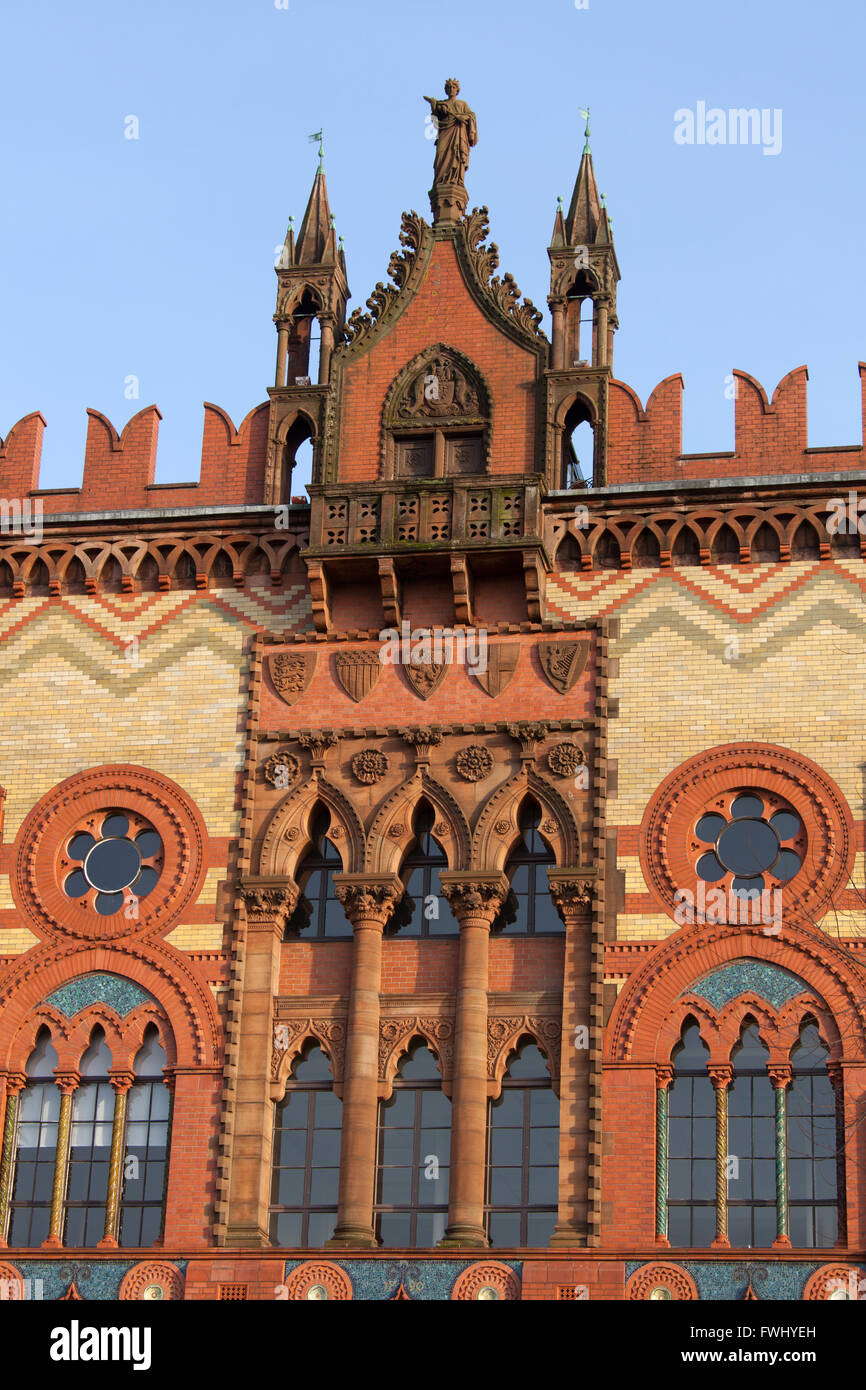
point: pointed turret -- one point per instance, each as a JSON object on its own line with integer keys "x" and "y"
{"x": 310, "y": 314}
{"x": 583, "y": 279}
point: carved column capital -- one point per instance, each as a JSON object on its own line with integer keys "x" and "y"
{"x": 572, "y": 891}
{"x": 67, "y": 1082}
{"x": 721, "y": 1075}
{"x": 318, "y": 741}
{"x": 781, "y": 1074}
{"x": 269, "y": 902}
{"x": 368, "y": 900}
{"x": 15, "y": 1082}
{"x": 422, "y": 740}
{"x": 120, "y": 1080}
{"x": 474, "y": 898}
{"x": 664, "y": 1077}
{"x": 528, "y": 734}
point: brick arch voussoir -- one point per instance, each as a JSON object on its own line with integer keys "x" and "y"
{"x": 390, "y": 832}
{"x": 635, "y": 1027}
{"x": 43, "y": 1016}
{"x": 287, "y": 836}
{"x": 167, "y": 975}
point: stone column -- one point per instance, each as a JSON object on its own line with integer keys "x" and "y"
{"x": 557, "y": 348}
{"x": 572, "y": 893}
{"x": 326, "y": 348}
{"x": 121, "y": 1082}
{"x": 368, "y": 902}
{"x": 269, "y": 903}
{"x": 67, "y": 1084}
{"x": 664, "y": 1080}
{"x": 601, "y": 333}
{"x": 14, "y": 1085}
{"x": 475, "y": 899}
{"x": 721, "y": 1077}
{"x": 780, "y": 1075}
{"x": 282, "y": 353}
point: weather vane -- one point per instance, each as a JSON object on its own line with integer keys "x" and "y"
{"x": 584, "y": 111}
{"x": 318, "y": 136}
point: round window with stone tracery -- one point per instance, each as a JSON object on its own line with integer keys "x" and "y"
{"x": 750, "y": 840}
{"x": 110, "y": 859}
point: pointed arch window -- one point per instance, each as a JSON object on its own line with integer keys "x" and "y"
{"x": 90, "y": 1146}
{"x": 523, "y": 1154}
{"x": 424, "y": 910}
{"x": 35, "y": 1147}
{"x": 529, "y": 908}
{"x": 414, "y": 1155}
{"x": 813, "y": 1144}
{"x": 145, "y": 1147}
{"x": 752, "y": 1144}
{"x": 691, "y": 1145}
{"x": 306, "y": 1155}
{"x": 319, "y": 913}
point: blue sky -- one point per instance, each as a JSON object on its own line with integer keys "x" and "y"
{"x": 154, "y": 257}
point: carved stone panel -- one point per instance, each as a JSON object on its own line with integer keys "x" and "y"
{"x": 291, "y": 673}
{"x": 563, "y": 662}
{"x": 357, "y": 672}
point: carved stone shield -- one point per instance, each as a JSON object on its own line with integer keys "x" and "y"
{"x": 358, "y": 672}
{"x": 563, "y": 662}
{"x": 425, "y": 676}
{"x": 291, "y": 673}
{"x": 502, "y": 658}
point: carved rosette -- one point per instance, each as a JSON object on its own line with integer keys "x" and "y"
{"x": 488, "y": 1279}
{"x": 395, "y": 1033}
{"x": 474, "y": 763}
{"x": 661, "y": 1281}
{"x": 503, "y": 1032}
{"x": 152, "y": 1279}
{"x": 564, "y": 759}
{"x": 838, "y": 1282}
{"x": 282, "y": 769}
{"x": 319, "y": 1279}
{"x": 370, "y": 765}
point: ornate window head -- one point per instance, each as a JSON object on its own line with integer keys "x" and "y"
{"x": 424, "y": 910}
{"x": 437, "y": 418}
{"x": 319, "y": 912}
{"x": 529, "y": 909}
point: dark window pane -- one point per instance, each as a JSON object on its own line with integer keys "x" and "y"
{"x": 540, "y": 1227}
{"x": 504, "y": 1229}
{"x": 395, "y": 1229}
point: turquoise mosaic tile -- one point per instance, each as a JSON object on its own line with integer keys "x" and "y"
{"x": 427, "y": 1281}
{"x": 771, "y": 982}
{"x": 46, "y": 1280}
{"x": 122, "y": 995}
{"x": 782, "y": 1280}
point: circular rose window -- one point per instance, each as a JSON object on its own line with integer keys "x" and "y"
{"x": 750, "y": 839}
{"x": 748, "y": 818}
{"x": 114, "y": 857}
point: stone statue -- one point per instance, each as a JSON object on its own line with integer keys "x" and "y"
{"x": 457, "y": 133}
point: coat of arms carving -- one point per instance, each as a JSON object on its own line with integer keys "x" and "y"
{"x": 563, "y": 662}
{"x": 440, "y": 388}
{"x": 358, "y": 671}
{"x": 502, "y": 658}
{"x": 425, "y": 676}
{"x": 291, "y": 673}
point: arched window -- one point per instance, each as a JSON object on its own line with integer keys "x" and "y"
{"x": 414, "y": 1155}
{"x": 145, "y": 1146}
{"x": 752, "y": 1144}
{"x": 529, "y": 909}
{"x": 90, "y": 1147}
{"x": 523, "y": 1154}
{"x": 35, "y": 1147}
{"x": 578, "y": 447}
{"x": 691, "y": 1139}
{"x": 297, "y": 463}
{"x": 306, "y": 1158}
{"x": 319, "y": 912}
{"x": 813, "y": 1188}
{"x": 425, "y": 910}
